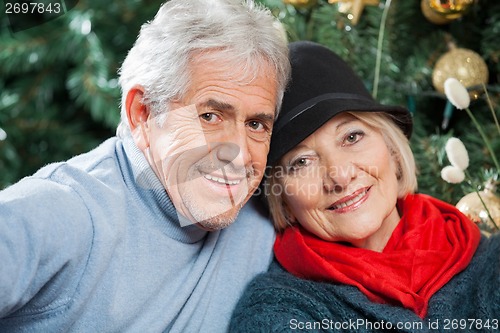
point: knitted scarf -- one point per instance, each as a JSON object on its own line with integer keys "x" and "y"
{"x": 432, "y": 243}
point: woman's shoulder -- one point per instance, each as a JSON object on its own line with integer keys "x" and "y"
{"x": 277, "y": 301}
{"x": 274, "y": 286}
{"x": 475, "y": 292}
{"x": 277, "y": 280}
{"x": 488, "y": 252}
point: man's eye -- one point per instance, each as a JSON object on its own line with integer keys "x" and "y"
{"x": 256, "y": 125}
{"x": 209, "y": 117}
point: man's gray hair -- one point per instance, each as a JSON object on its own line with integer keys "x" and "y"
{"x": 241, "y": 33}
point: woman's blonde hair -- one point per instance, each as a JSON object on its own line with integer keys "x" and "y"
{"x": 396, "y": 142}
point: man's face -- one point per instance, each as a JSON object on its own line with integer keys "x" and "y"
{"x": 210, "y": 150}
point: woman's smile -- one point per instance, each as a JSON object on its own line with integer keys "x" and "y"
{"x": 350, "y": 202}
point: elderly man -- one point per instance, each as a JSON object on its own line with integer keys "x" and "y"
{"x": 142, "y": 234}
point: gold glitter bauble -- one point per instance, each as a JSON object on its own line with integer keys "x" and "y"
{"x": 464, "y": 65}
{"x": 450, "y": 9}
{"x": 300, "y": 3}
{"x": 473, "y": 208}
{"x": 431, "y": 15}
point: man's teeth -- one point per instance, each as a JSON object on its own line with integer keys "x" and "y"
{"x": 222, "y": 180}
{"x": 350, "y": 202}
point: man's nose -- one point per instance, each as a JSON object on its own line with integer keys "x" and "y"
{"x": 234, "y": 149}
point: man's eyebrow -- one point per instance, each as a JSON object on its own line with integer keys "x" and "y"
{"x": 222, "y": 106}
{"x": 216, "y": 105}
{"x": 264, "y": 117}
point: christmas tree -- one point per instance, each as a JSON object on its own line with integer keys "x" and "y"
{"x": 59, "y": 94}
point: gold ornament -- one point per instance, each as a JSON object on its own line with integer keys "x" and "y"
{"x": 451, "y": 9}
{"x": 465, "y": 65}
{"x": 353, "y": 8}
{"x": 300, "y": 3}
{"x": 473, "y": 208}
{"x": 431, "y": 15}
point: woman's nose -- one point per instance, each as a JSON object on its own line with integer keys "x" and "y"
{"x": 338, "y": 176}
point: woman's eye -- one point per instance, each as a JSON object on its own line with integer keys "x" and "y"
{"x": 299, "y": 163}
{"x": 353, "y": 137}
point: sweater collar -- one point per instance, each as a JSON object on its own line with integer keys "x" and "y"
{"x": 152, "y": 193}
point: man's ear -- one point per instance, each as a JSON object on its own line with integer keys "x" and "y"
{"x": 138, "y": 115}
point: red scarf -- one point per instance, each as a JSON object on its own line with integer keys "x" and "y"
{"x": 432, "y": 243}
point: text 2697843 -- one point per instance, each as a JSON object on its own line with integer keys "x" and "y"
{"x": 33, "y": 8}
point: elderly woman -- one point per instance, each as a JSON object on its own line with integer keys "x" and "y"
{"x": 357, "y": 250}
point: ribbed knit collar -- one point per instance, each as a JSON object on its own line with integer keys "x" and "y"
{"x": 151, "y": 191}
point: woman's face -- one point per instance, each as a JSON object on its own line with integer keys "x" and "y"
{"x": 340, "y": 184}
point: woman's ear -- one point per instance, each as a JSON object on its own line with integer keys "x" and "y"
{"x": 138, "y": 115}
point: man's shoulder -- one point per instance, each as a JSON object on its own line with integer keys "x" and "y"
{"x": 63, "y": 182}
{"x": 255, "y": 209}
{"x": 102, "y": 155}
{"x": 251, "y": 236}
{"x": 254, "y": 216}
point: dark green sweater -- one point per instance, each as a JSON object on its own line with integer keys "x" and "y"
{"x": 279, "y": 302}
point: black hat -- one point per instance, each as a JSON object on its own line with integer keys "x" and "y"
{"x": 322, "y": 86}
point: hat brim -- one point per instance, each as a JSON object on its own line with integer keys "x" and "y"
{"x": 303, "y": 125}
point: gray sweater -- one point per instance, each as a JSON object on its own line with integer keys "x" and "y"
{"x": 94, "y": 245}
{"x": 279, "y": 302}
